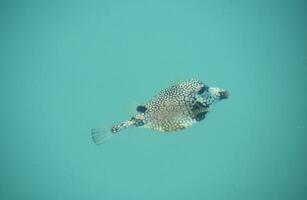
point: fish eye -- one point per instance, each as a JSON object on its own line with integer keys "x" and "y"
{"x": 202, "y": 89}
{"x": 141, "y": 109}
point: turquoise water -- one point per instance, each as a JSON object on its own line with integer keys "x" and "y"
{"x": 69, "y": 66}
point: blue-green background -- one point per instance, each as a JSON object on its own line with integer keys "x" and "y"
{"x": 69, "y": 66}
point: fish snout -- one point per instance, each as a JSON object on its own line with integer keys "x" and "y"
{"x": 219, "y": 93}
{"x": 223, "y": 94}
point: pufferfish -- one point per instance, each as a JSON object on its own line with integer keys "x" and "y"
{"x": 172, "y": 109}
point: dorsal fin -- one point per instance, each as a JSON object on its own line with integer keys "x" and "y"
{"x": 129, "y": 106}
{"x": 176, "y": 81}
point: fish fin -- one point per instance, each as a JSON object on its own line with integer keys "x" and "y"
{"x": 100, "y": 136}
{"x": 130, "y": 107}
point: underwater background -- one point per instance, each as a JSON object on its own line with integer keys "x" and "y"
{"x": 69, "y": 66}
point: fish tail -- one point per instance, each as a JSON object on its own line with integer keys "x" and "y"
{"x": 100, "y": 136}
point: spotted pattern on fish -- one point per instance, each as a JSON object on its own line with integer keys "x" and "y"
{"x": 176, "y": 107}
{"x": 170, "y": 110}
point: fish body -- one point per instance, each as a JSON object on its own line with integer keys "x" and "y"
{"x": 174, "y": 108}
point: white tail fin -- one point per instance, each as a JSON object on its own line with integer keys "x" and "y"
{"x": 99, "y": 136}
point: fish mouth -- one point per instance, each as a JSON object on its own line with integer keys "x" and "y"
{"x": 223, "y": 94}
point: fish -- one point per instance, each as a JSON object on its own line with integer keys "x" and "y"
{"x": 175, "y": 108}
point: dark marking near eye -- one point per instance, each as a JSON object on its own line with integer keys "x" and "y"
{"x": 141, "y": 109}
{"x": 199, "y": 106}
{"x": 200, "y": 116}
{"x": 202, "y": 89}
